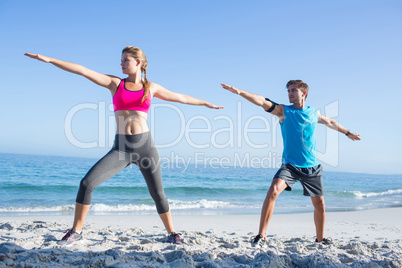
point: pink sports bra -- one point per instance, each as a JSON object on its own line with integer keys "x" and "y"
{"x": 125, "y": 99}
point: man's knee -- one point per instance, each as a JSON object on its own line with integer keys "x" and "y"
{"x": 319, "y": 203}
{"x": 277, "y": 187}
{"x": 273, "y": 192}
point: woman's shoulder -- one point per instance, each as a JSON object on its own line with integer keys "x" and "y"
{"x": 154, "y": 86}
{"x": 115, "y": 78}
{"x": 114, "y": 83}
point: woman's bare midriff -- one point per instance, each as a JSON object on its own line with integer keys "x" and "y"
{"x": 131, "y": 122}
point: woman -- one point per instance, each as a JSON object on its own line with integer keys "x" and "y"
{"x": 133, "y": 142}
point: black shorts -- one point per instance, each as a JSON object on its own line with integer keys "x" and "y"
{"x": 310, "y": 178}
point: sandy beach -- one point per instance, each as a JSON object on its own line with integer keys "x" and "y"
{"x": 370, "y": 238}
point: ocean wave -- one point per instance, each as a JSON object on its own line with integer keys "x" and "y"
{"x": 121, "y": 208}
{"x": 174, "y": 204}
{"x": 360, "y": 195}
{"x": 205, "y": 204}
{"x": 38, "y": 209}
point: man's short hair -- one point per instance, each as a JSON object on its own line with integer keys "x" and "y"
{"x": 300, "y": 85}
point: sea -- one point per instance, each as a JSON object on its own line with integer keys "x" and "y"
{"x": 34, "y": 184}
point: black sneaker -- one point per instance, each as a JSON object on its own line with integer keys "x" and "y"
{"x": 174, "y": 238}
{"x": 70, "y": 237}
{"x": 325, "y": 241}
{"x": 258, "y": 241}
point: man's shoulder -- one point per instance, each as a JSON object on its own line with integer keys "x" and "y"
{"x": 310, "y": 108}
{"x": 306, "y": 108}
{"x": 288, "y": 107}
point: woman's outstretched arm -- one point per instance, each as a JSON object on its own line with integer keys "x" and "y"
{"x": 167, "y": 95}
{"x": 108, "y": 81}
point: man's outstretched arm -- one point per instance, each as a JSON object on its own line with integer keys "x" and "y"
{"x": 332, "y": 123}
{"x": 258, "y": 100}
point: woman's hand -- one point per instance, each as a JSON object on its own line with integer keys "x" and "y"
{"x": 108, "y": 81}
{"x": 38, "y": 57}
{"x": 213, "y": 106}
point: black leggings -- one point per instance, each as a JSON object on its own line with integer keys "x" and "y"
{"x": 127, "y": 149}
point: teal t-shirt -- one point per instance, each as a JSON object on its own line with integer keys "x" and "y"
{"x": 298, "y": 133}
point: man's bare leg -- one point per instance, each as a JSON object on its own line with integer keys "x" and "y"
{"x": 277, "y": 187}
{"x": 319, "y": 216}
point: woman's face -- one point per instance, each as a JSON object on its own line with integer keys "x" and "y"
{"x": 128, "y": 64}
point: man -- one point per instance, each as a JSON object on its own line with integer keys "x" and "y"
{"x": 299, "y": 161}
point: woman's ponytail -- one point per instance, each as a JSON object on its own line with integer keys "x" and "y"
{"x": 137, "y": 53}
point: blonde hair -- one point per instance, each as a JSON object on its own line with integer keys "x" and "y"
{"x": 137, "y": 53}
{"x": 300, "y": 85}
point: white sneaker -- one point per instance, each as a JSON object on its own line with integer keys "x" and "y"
{"x": 70, "y": 237}
{"x": 258, "y": 241}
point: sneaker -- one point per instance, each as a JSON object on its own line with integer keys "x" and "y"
{"x": 325, "y": 241}
{"x": 70, "y": 237}
{"x": 258, "y": 241}
{"x": 174, "y": 238}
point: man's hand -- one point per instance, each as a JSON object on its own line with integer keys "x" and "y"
{"x": 353, "y": 136}
{"x": 231, "y": 89}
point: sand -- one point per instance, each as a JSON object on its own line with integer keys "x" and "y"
{"x": 371, "y": 238}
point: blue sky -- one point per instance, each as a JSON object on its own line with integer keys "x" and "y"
{"x": 349, "y": 52}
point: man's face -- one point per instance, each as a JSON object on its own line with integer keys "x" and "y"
{"x": 295, "y": 94}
